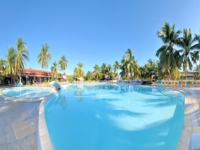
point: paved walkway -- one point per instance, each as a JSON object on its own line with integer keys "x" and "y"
{"x": 13, "y": 113}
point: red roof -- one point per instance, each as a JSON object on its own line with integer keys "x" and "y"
{"x": 36, "y": 73}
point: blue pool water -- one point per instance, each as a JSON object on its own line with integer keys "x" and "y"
{"x": 26, "y": 92}
{"x": 115, "y": 117}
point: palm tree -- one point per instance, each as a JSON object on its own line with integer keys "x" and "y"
{"x": 2, "y": 63}
{"x": 63, "y": 63}
{"x": 129, "y": 67}
{"x": 168, "y": 55}
{"x": 55, "y": 69}
{"x": 104, "y": 70}
{"x": 189, "y": 51}
{"x": 198, "y": 39}
{"x": 78, "y": 71}
{"x": 10, "y": 63}
{"x": 116, "y": 66}
{"x": 21, "y": 56}
{"x": 89, "y": 75}
{"x": 97, "y": 72}
{"x": 44, "y": 56}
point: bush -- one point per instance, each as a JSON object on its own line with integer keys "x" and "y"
{"x": 146, "y": 82}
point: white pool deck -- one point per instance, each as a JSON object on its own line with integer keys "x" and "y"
{"x": 20, "y": 122}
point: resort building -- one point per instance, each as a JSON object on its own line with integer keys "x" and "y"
{"x": 188, "y": 75}
{"x": 30, "y": 76}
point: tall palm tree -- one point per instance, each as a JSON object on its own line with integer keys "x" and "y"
{"x": 44, "y": 56}
{"x": 198, "y": 39}
{"x": 55, "y": 69}
{"x": 63, "y": 63}
{"x": 116, "y": 66}
{"x": 168, "y": 55}
{"x": 129, "y": 67}
{"x": 97, "y": 72}
{"x": 10, "y": 63}
{"x": 109, "y": 71}
{"x": 89, "y": 75}
{"x": 189, "y": 49}
{"x": 21, "y": 56}
{"x": 78, "y": 71}
{"x": 104, "y": 70}
{"x": 2, "y": 63}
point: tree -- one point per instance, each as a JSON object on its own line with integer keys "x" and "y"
{"x": 129, "y": 66}
{"x": 2, "y": 64}
{"x": 197, "y": 37}
{"x": 63, "y": 63}
{"x": 44, "y": 56}
{"x": 55, "y": 69}
{"x": 21, "y": 56}
{"x": 104, "y": 70}
{"x": 168, "y": 55}
{"x": 78, "y": 71}
{"x": 89, "y": 76}
{"x": 116, "y": 66}
{"x": 10, "y": 62}
{"x": 97, "y": 72}
{"x": 189, "y": 50}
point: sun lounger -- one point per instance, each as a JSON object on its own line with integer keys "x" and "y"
{"x": 165, "y": 83}
{"x": 162, "y": 83}
{"x": 179, "y": 84}
{"x": 158, "y": 83}
{"x": 187, "y": 84}
{"x": 183, "y": 83}
{"x": 169, "y": 84}
{"x": 195, "y": 84}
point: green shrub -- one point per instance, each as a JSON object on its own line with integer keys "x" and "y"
{"x": 146, "y": 82}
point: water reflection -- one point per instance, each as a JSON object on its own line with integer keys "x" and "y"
{"x": 134, "y": 116}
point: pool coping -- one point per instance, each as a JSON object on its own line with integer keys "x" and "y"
{"x": 191, "y": 120}
{"x": 24, "y": 99}
{"x": 184, "y": 141}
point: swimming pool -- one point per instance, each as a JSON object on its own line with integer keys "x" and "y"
{"x": 115, "y": 117}
{"x": 26, "y": 92}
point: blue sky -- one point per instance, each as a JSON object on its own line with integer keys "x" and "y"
{"x": 92, "y": 31}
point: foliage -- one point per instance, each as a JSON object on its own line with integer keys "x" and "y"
{"x": 89, "y": 76}
{"x": 78, "y": 71}
{"x": 168, "y": 55}
{"x": 146, "y": 82}
{"x": 55, "y": 69}
{"x": 44, "y": 56}
{"x": 189, "y": 51}
{"x": 70, "y": 78}
{"x": 149, "y": 70}
{"x": 63, "y": 63}
{"x": 116, "y": 66}
{"x": 130, "y": 68}
{"x": 52, "y": 79}
{"x": 97, "y": 72}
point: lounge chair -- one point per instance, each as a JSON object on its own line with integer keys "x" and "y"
{"x": 187, "y": 84}
{"x": 198, "y": 83}
{"x": 183, "y": 83}
{"x": 169, "y": 84}
{"x": 158, "y": 83}
{"x": 195, "y": 84}
{"x": 175, "y": 84}
{"x": 179, "y": 84}
{"x": 165, "y": 83}
{"x": 162, "y": 83}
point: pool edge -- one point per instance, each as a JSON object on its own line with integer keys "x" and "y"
{"x": 184, "y": 141}
{"x": 44, "y": 142}
{"x": 188, "y": 127}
